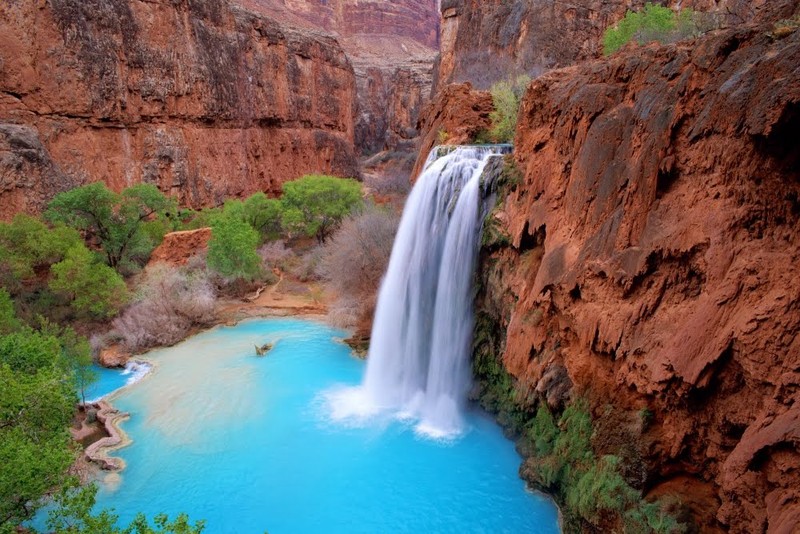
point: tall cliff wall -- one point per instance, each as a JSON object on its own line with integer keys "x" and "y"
{"x": 201, "y": 97}
{"x": 392, "y": 46}
{"x": 653, "y": 259}
{"x": 483, "y": 41}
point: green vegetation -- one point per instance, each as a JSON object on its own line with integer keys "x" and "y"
{"x": 90, "y": 286}
{"x": 314, "y": 205}
{"x": 506, "y": 97}
{"x": 232, "y": 249}
{"x": 119, "y": 222}
{"x": 653, "y": 23}
{"x": 560, "y": 449}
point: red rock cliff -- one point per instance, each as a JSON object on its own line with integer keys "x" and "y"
{"x": 392, "y": 45}
{"x": 201, "y": 97}
{"x": 654, "y": 263}
{"x": 483, "y": 41}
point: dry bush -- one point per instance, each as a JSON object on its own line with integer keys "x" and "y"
{"x": 307, "y": 266}
{"x": 171, "y": 301}
{"x": 275, "y": 254}
{"x": 98, "y": 342}
{"x": 355, "y": 260}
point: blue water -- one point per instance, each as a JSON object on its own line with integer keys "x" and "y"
{"x": 110, "y": 380}
{"x": 249, "y": 445}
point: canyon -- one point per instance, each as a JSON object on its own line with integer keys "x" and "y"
{"x": 207, "y": 100}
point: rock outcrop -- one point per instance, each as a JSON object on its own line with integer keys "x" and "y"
{"x": 204, "y": 98}
{"x": 178, "y": 247}
{"x": 483, "y": 41}
{"x": 652, "y": 261}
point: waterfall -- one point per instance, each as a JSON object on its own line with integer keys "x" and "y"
{"x": 419, "y": 357}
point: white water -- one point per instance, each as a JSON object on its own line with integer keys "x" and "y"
{"x": 419, "y": 363}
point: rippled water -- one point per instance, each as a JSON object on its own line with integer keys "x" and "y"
{"x": 251, "y": 444}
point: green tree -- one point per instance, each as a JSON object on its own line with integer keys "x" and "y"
{"x": 264, "y": 215}
{"x": 36, "y": 406}
{"x": 232, "y": 248}
{"x": 92, "y": 287}
{"x": 506, "y": 97}
{"x": 314, "y": 205}
{"x": 115, "y": 220}
{"x": 27, "y": 245}
{"x": 8, "y": 319}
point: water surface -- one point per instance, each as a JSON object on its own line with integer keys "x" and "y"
{"x": 249, "y": 444}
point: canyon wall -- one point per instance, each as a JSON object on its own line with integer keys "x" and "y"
{"x": 652, "y": 258}
{"x": 483, "y": 41}
{"x": 392, "y": 46}
{"x": 203, "y": 98}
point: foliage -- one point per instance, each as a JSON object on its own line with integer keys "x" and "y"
{"x": 117, "y": 221}
{"x": 264, "y": 215}
{"x": 442, "y": 136}
{"x": 92, "y": 287}
{"x": 506, "y": 97}
{"x": 8, "y": 319}
{"x": 171, "y": 301}
{"x": 27, "y": 245}
{"x": 72, "y": 514}
{"x": 36, "y": 404}
{"x": 315, "y": 204}
{"x": 653, "y": 23}
{"x": 232, "y": 248}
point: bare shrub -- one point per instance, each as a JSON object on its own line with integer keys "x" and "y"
{"x": 171, "y": 301}
{"x": 355, "y": 260}
{"x": 275, "y": 254}
{"x": 98, "y": 342}
{"x": 307, "y": 267}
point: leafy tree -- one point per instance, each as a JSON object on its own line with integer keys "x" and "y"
{"x": 232, "y": 248}
{"x": 315, "y": 204}
{"x": 27, "y": 245}
{"x": 506, "y": 96}
{"x": 36, "y": 406}
{"x": 115, "y": 220}
{"x": 92, "y": 287}
{"x": 264, "y": 215}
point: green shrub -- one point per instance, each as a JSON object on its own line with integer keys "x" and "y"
{"x": 506, "y": 97}
{"x": 232, "y": 248}
{"x": 654, "y": 23}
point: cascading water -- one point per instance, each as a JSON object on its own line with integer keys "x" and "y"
{"x": 419, "y": 352}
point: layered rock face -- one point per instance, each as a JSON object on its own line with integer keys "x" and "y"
{"x": 653, "y": 263}
{"x": 203, "y": 98}
{"x": 483, "y": 41}
{"x": 392, "y": 45}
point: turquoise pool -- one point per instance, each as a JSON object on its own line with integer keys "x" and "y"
{"x": 250, "y": 444}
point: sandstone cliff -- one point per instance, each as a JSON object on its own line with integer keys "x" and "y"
{"x": 392, "y": 45}
{"x": 653, "y": 261}
{"x": 483, "y": 41}
{"x": 201, "y": 97}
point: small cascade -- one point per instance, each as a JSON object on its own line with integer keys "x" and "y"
{"x": 419, "y": 358}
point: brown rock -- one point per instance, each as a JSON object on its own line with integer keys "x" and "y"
{"x": 113, "y": 356}
{"x": 655, "y": 255}
{"x": 483, "y": 41}
{"x": 178, "y": 247}
{"x": 204, "y": 99}
{"x": 457, "y": 114}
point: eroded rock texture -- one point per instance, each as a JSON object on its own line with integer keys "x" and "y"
{"x": 203, "y": 98}
{"x": 654, "y": 262}
{"x": 392, "y": 45}
{"x": 483, "y": 41}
